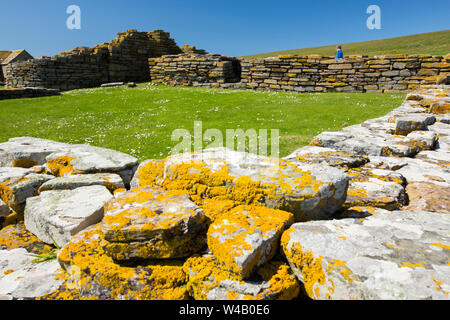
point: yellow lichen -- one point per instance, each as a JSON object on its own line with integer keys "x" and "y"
{"x": 152, "y": 281}
{"x": 61, "y": 166}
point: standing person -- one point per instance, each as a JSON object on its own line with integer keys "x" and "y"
{"x": 340, "y": 53}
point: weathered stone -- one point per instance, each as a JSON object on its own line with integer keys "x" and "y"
{"x": 425, "y": 196}
{"x": 316, "y": 191}
{"x": 59, "y": 215}
{"x": 376, "y": 188}
{"x": 26, "y": 152}
{"x": 426, "y": 140}
{"x": 81, "y": 159}
{"x": 102, "y": 278}
{"x": 17, "y": 236}
{"x": 246, "y": 237}
{"x": 368, "y": 144}
{"x": 334, "y": 158}
{"x": 109, "y": 180}
{"x": 394, "y": 255}
{"x": 150, "y": 223}
{"x": 207, "y": 281}
{"x": 18, "y": 184}
{"x": 406, "y": 125}
{"x": 20, "y": 278}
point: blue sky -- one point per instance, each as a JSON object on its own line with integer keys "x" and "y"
{"x": 227, "y": 27}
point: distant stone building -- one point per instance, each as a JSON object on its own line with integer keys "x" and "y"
{"x": 7, "y": 57}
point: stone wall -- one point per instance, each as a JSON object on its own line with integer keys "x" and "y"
{"x": 18, "y": 93}
{"x": 313, "y": 73}
{"x": 195, "y": 69}
{"x": 123, "y": 59}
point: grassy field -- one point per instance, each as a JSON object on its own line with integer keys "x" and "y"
{"x": 434, "y": 43}
{"x": 140, "y": 121}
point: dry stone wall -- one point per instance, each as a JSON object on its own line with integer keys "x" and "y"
{"x": 123, "y": 59}
{"x": 18, "y": 93}
{"x": 195, "y": 69}
{"x": 311, "y": 73}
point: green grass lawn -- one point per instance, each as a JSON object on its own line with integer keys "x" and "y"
{"x": 434, "y": 43}
{"x": 139, "y": 121}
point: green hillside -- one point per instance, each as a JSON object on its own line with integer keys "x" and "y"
{"x": 434, "y": 43}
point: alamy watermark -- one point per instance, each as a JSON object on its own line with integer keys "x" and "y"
{"x": 374, "y": 20}
{"x": 73, "y": 22}
{"x": 258, "y": 142}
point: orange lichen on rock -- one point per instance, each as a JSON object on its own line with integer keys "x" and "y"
{"x": 208, "y": 281}
{"x": 151, "y": 223}
{"x": 311, "y": 271}
{"x": 101, "y": 276}
{"x": 246, "y": 237}
{"x": 61, "y": 166}
{"x": 16, "y": 236}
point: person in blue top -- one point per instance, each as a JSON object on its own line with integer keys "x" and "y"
{"x": 340, "y": 53}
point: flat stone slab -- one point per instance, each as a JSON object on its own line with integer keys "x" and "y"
{"x": 408, "y": 124}
{"x": 17, "y": 236}
{"x": 363, "y": 142}
{"x": 316, "y": 191}
{"x": 26, "y": 152}
{"x": 82, "y": 159}
{"x": 391, "y": 256}
{"x": 207, "y": 281}
{"x": 150, "y": 223}
{"x": 62, "y": 159}
{"x": 426, "y": 196}
{"x": 377, "y": 188}
{"x": 18, "y": 184}
{"x": 112, "y": 84}
{"x": 102, "y": 278}
{"x": 61, "y": 214}
{"x": 109, "y": 180}
{"x": 20, "y": 278}
{"x": 246, "y": 237}
{"x": 334, "y": 158}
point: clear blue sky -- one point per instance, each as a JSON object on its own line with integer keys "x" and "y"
{"x": 228, "y": 27}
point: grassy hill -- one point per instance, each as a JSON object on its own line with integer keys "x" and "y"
{"x": 434, "y": 43}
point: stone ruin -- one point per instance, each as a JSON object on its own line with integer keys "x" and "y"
{"x": 362, "y": 213}
{"x": 121, "y": 60}
{"x": 140, "y": 56}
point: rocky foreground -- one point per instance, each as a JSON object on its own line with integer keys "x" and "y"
{"x": 359, "y": 214}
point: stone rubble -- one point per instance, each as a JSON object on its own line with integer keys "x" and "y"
{"x": 359, "y": 214}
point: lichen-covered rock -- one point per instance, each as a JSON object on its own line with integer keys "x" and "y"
{"x": 393, "y": 255}
{"x": 207, "y": 281}
{"x": 80, "y": 159}
{"x": 59, "y": 215}
{"x": 18, "y": 184}
{"x": 367, "y": 143}
{"x": 150, "y": 223}
{"x": 426, "y": 196}
{"x": 406, "y": 125}
{"x": 334, "y": 158}
{"x": 101, "y": 277}
{"x": 376, "y": 188}
{"x": 26, "y": 152}
{"x": 246, "y": 237}
{"x": 435, "y": 171}
{"x": 17, "y": 236}
{"x": 316, "y": 191}
{"x": 426, "y": 140}
{"x": 20, "y": 278}
{"x": 109, "y": 180}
